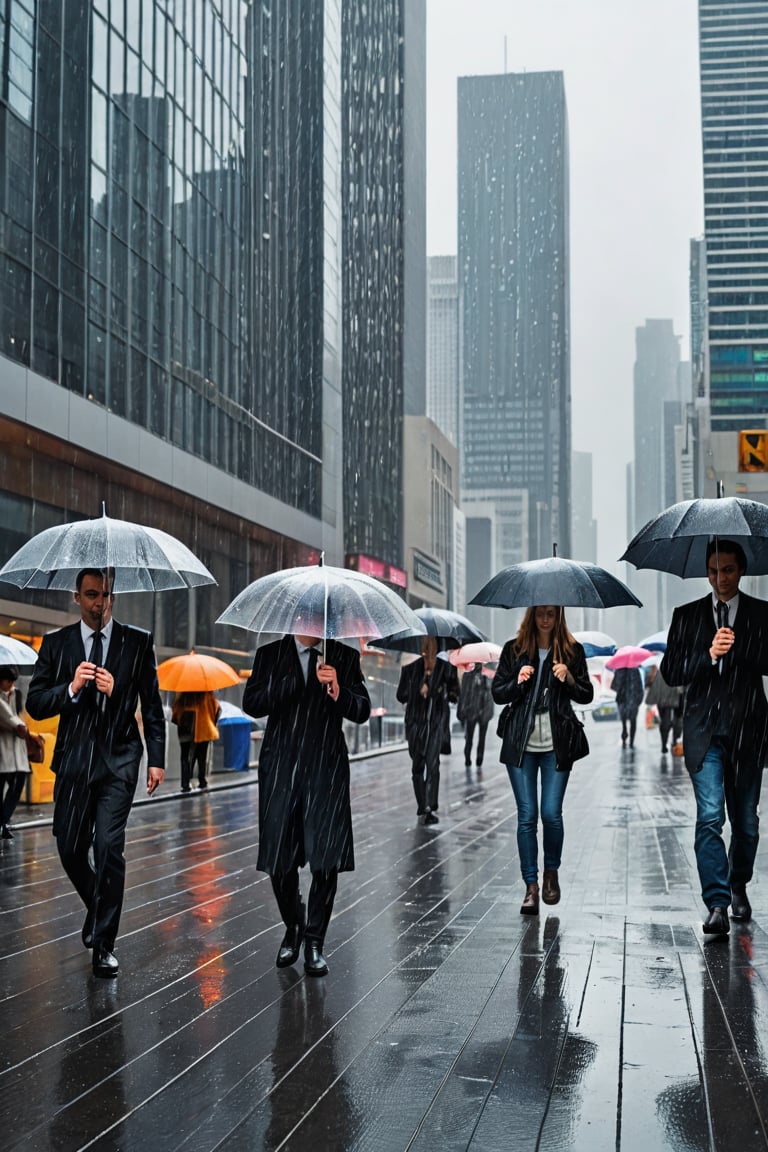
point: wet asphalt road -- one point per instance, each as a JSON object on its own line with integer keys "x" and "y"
{"x": 448, "y": 1021}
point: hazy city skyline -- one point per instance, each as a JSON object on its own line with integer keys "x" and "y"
{"x": 632, "y": 88}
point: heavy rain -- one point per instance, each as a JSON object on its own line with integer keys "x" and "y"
{"x": 383, "y": 575}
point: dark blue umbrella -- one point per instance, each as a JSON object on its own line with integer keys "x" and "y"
{"x": 451, "y": 630}
{"x": 676, "y": 540}
{"x": 554, "y": 580}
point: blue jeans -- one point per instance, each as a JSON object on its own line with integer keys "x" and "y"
{"x": 715, "y": 794}
{"x": 524, "y": 781}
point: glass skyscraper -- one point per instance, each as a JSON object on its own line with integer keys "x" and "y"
{"x": 170, "y": 261}
{"x": 513, "y": 277}
{"x": 733, "y": 49}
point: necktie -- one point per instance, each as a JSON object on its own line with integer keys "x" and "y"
{"x": 97, "y": 656}
{"x": 312, "y": 667}
{"x": 722, "y": 614}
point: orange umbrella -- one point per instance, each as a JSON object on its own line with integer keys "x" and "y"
{"x": 195, "y": 673}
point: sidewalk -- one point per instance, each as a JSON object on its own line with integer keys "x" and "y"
{"x": 447, "y": 1022}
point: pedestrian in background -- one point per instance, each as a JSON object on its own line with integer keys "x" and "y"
{"x": 14, "y": 763}
{"x": 475, "y": 710}
{"x": 195, "y": 715}
{"x": 427, "y": 688}
{"x": 627, "y": 683}
{"x": 669, "y": 703}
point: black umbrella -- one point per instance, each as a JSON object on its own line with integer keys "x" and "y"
{"x": 451, "y": 630}
{"x": 676, "y": 540}
{"x": 554, "y": 580}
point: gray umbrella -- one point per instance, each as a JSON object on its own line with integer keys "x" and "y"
{"x": 144, "y": 559}
{"x": 676, "y": 540}
{"x": 450, "y": 628}
{"x": 319, "y": 600}
{"x": 554, "y": 580}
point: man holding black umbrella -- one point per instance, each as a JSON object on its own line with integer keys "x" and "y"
{"x": 717, "y": 650}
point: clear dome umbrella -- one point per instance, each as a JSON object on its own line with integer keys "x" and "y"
{"x": 144, "y": 559}
{"x": 320, "y": 600}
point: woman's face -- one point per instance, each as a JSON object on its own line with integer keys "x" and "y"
{"x": 545, "y": 618}
{"x": 6, "y": 684}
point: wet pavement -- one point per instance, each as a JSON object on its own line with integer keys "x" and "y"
{"x": 448, "y": 1021}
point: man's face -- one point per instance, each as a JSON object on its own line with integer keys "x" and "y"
{"x": 723, "y": 573}
{"x": 95, "y": 601}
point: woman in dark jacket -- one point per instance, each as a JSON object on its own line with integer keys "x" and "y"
{"x": 540, "y": 673}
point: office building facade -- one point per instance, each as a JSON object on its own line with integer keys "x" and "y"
{"x": 733, "y": 53}
{"x": 170, "y": 250}
{"x": 383, "y": 118}
{"x": 513, "y": 285}
{"x": 443, "y": 345}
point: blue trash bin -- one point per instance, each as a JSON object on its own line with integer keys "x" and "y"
{"x": 235, "y": 733}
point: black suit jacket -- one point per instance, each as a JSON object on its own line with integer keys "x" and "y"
{"x": 303, "y": 762}
{"x": 427, "y": 716}
{"x": 736, "y": 691}
{"x": 86, "y": 743}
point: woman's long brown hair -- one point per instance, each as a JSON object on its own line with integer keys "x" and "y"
{"x": 526, "y": 641}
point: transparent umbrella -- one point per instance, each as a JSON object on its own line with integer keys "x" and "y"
{"x": 596, "y": 643}
{"x": 144, "y": 559}
{"x": 320, "y": 600}
{"x": 15, "y": 652}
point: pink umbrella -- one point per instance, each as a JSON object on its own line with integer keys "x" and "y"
{"x": 628, "y": 657}
{"x": 483, "y": 652}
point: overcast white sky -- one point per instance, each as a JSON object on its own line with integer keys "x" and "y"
{"x": 631, "y": 80}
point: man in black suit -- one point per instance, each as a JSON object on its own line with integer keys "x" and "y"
{"x": 92, "y": 674}
{"x": 427, "y": 688}
{"x": 717, "y": 651}
{"x": 304, "y": 810}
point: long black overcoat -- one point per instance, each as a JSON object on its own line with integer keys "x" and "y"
{"x": 516, "y": 725}
{"x": 427, "y": 718}
{"x": 737, "y": 688}
{"x": 304, "y": 809}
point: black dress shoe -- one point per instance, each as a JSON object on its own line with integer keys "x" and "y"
{"x": 104, "y": 962}
{"x": 741, "y": 909}
{"x": 717, "y": 923}
{"x": 431, "y": 818}
{"x": 288, "y": 952}
{"x": 5, "y": 833}
{"x": 314, "y": 961}
{"x": 87, "y": 932}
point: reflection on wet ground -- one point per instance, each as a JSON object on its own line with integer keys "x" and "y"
{"x": 448, "y": 1020}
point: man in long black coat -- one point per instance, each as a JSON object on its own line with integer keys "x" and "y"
{"x": 304, "y": 810}
{"x": 427, "y": 687}
{"x": 92, "y": 675}
{"x": 717, "y": 649}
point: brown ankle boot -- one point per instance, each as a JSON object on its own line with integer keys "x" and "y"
{"x": 530, "y": 904}
{"x": 550, "y": 888}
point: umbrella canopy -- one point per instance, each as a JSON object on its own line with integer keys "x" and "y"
{"x": 554, "y": 580}
{"x": 655, "y": 643}
{"x": 676, "y": 540}
{"x": 596, "y": 643}
{"x": 481, "y": 653}
{"x": 15, "y": 652}
{"x": 195, "y": 673}
{"x": 629, "y": 656}
{"x": 144, "y": 559}
{"x": 450, "y": 629}
{"x": 319, "y": 600}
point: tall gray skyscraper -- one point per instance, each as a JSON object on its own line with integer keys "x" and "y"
{"x": 443, "y": 345}
{"x": 733, "y": 53}
{"x": 513, "y": 274}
